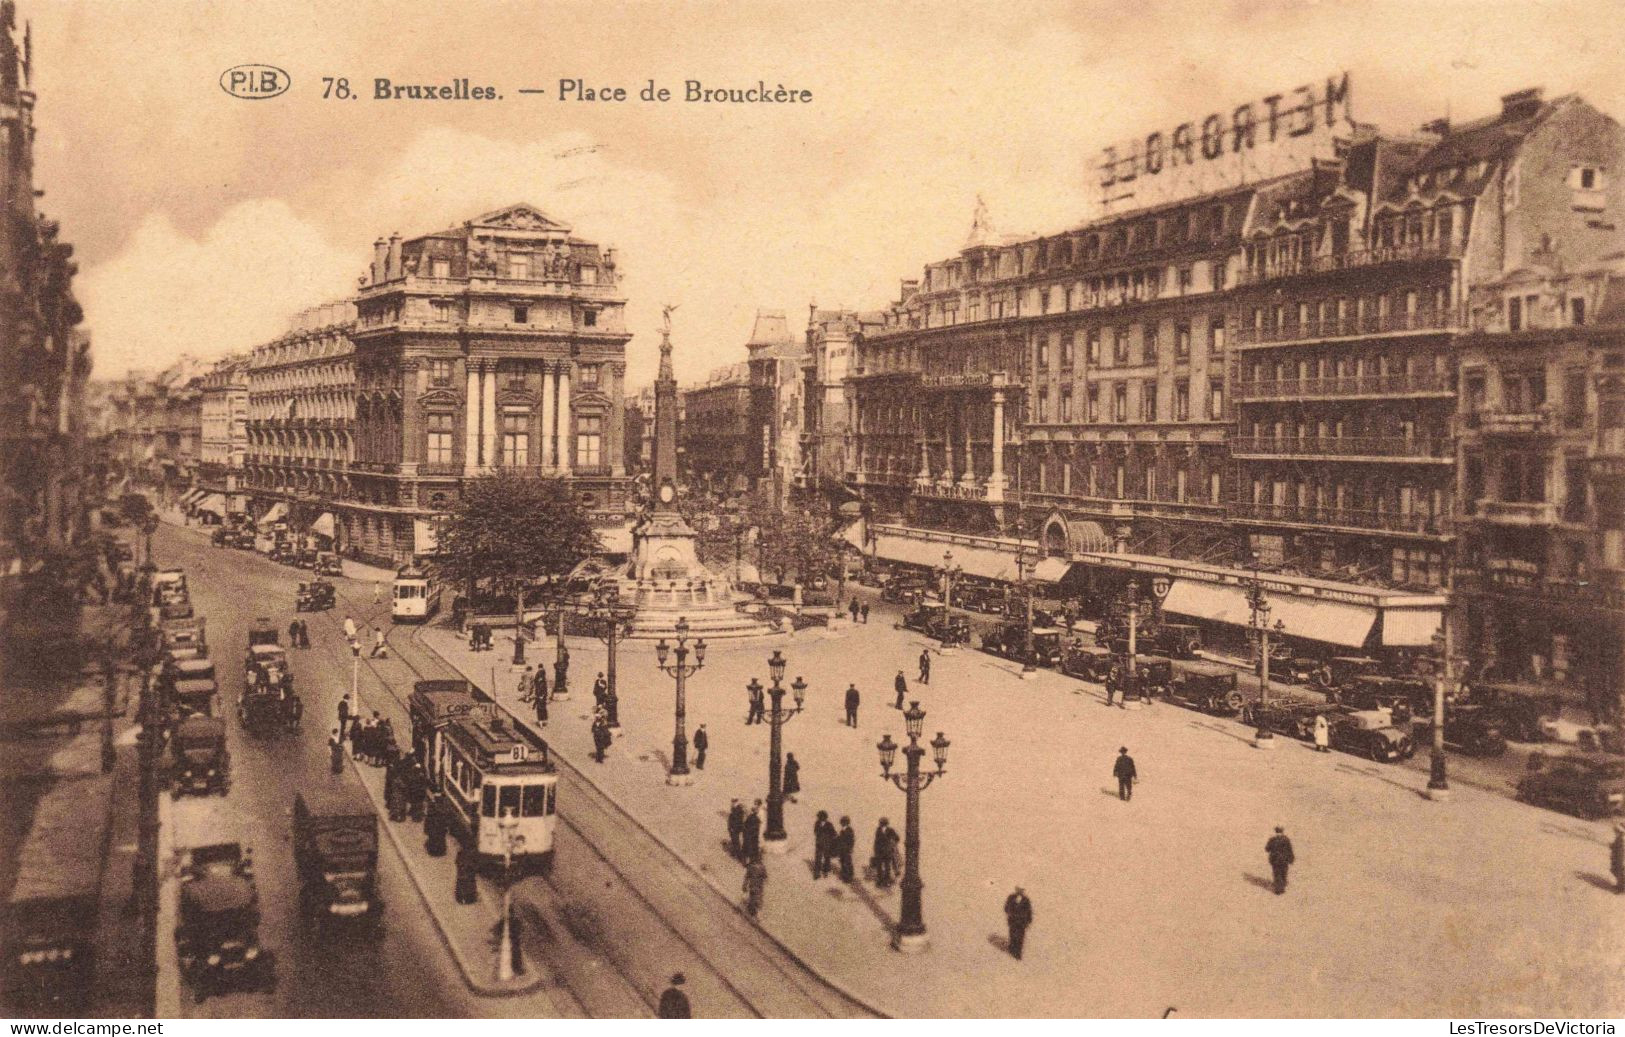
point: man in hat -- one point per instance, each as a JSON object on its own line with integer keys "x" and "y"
{"x": 823, "y": 844}
{"x": 1279, "y": 851}
{"x": 881, "y": 861}
{"x": 702, "y": 742}
{"x": 846, "y": 840}
{"x": 1018, "y": 915}
{"x": 901, "y": 684}
{"x": 751, "y": 843}
{"x": 335, "y": 751}
{"x": 925, "y": 666}
{"x": 736, "y": 828}
{"x": 852, "y": 700}
{"x": 1125, "y": 773}
{"x": 755, "y": 884}
{"x": 674, "y": 1003}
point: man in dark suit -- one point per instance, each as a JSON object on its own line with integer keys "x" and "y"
{"x": 1018, "y": 915}
{"x": 702, "y": 742}
{"x": 902, "y": 689}
{"x": 852, "y": 705}
{"x": 1125, "y": 773}
{"x": 751, "y": 844}
{"x": 823, "y": 844}
{"x": 925, "y": 666}
{"x": 1279, "y": 851}
{"x": 845, "y": 842}
{"x": 736, "y": 829}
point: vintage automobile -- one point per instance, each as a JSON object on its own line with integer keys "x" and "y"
{"x": 283, "y": 551}
{"x": 935, "y": 621}
{"x": 266, "y": 666}
{"x": 219, "y": 537}
{"x": 903, "y": 591}
{"x": 1520, "y": 707}
{"x": 328, "y": 564}
{"x": 1341, "y": 671}
{"x": 1086, "y": 661}
{"x": 185, "y": 639}
{"x": 263, "y": 709}
{"x": 201, "y": 763}
{"x": 1474, "y": 730}
{"x": 986, "y": 600}
{"x": 175, "y": 608}
{"x": 1584, "y": 784}
{"x": 191, "y": 687}
{"x": 1585, "y": 736}
{"x": 1294, "y": 717}
{"x": 1207, "y": 686}
{"x": 1370, "y": 733}
{"x": 315, "y": 596}
{"x": 1009, "y": 640}
{"x": 243, "y": 539}
{"x": 306, "y": 558}
{"x": 1015, "y": 610}
{"x": 217, "y": 935}
{"x": 1153, "y": 675}
{"x": 263, "y": 632}
{"x": 335, "y": 848}
{"x": 1377, "y": 692}
{"x": 1176, "y": 640}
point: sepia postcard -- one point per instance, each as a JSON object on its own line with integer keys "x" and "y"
{"x": 620, "y": 509}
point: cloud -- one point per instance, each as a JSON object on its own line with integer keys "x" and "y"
{"x": 237, "y": 284}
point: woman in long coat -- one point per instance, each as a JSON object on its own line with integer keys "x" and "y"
{"x": 792, "y": 777}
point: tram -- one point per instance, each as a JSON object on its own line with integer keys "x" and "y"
{"x": 50, "y": 916}
{"x": 415, "y": 597}
{"x": 483, "y": 766}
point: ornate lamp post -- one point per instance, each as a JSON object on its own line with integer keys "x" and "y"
{"x": 149, "y": 526}
{"x": 1131, "y": 676}
{"x": 512, "y": 843}
{"x": 774, "y": 838}
{"x": 1263, "y": 738}
{"x": 681, "y": 671}
{"x": 1438, "y": 783}
{"x": 949, "y": 571}
{"x": 910, "y": 933}
{"x": 1024, "y": 566}
{"x": 612, "y": 621}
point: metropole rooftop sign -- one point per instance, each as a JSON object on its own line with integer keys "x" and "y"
{"x": 1254, "y": 141}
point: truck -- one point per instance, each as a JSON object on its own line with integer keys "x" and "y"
{"x": 335, "y": 849}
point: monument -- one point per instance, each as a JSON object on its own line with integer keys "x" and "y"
{"x": 665, "y": 579}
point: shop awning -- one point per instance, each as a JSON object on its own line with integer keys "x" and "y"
{"x": 324, "y": 525}
{"x": 616, "y": 540}
{"x": 424, "y": 541}
{"x": 1409, "y": 628}
{"x": 852, "y": 533}
{"x": 215, "y": 502}
{"x": 1330, "y": 622}
{"x": 1051, "y": 570}
{"x": 276, "y": 514}
{"x": 191, "y": 497}
{"x": 1210, "y": 601}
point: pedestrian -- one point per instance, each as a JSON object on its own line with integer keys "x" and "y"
{"x": 335, "y": 751}
{"x": 736, "y": 829}
{"x": 600, "y": 690}
{"x": 527, "y": 684}
{"x": 902, "y": 689}
{"x": 925, "y": 666}
{"x": 1279, "y": 850}
{"x": 823, "y": 844}
{"x": 304, "y": 634}
{"x": 852, "y": 705}
{"x": 293, "y": 633}
{"x": 378, "y": 592}
{"x": 755, "y": 884}
{"x": 758, "y": 703}
{"x": 702, "y": 742}
{"x": 846, "y": 840}
{"x": 1018, "y": 915}
{"x": 1125, "y": 773}
{"x": 349, "y": 628}
{"x": 434, "y": 828}
{"x": 344, "y": 716}
{"x": 1323, "y": 735}
{"x": 792, "y": 777}
{"x": 853, "y": 608}
{"x": 386, "y": 740}
{"x": 865, "y": 613}
{"x": 674, "y": 1003}
{"x": 561, "y": 674}
{"x": 378, "y": 646}
{"x": 751, "y": 838}
{"x": 1112, "y": 677}
{"x": 1616, "y": 857}
{"x": 601, "y": 737}
{"x": 467, "y": 890}
{"x": 880, "y": 860}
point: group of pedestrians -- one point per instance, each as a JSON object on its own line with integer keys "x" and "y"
{"x": 298, "y": 634}
{"x": 859, "y": 612}
{"x": 479, "y": 637}
{"x": 745, "y": 844}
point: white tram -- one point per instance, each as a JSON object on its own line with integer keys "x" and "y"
{"x": 482, "y": 766}
{"x": 415, "y": 597}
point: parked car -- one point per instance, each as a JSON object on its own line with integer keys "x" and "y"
{"x": 1474, "y": 730}
{"x": 200, "y": 760}
{"x": 329, "y": 564}
{"x": 1153, "y": 675}
{"x": 1010, "y": 641}
{"x": 1520, "y": 707}
{"x": 1342, "y": 671}
{"x": 899, "y": 591}
{"x": 1585, "y": 784}
{"x": 1086, "y": 661}
{"x": 315, "y": 596}
{"x": 1175, "y": 640}
{"x": 217, "y": 938}
{"x": 1370, "y": 733}
{"x": 1209, "y": 687}
{"x": 986, "y": 600}
{"x": 1293, "y": 717}
{"x": 1376, "y": 692}
{"x": 935, "y": 621}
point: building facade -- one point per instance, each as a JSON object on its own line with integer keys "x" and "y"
{"x": 721, "y": 448}
{"x": 776, "y": 408}
{"x": 301, "y": 416}
{"x": 826, "y": 361}
{"x": 495, "y": 345}
{"x": 223, "y": 439}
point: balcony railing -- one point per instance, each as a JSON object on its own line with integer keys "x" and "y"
{"x": 1345, "y": 518}
{"x": 949, "y": 491}
{"x": 1343, "y": 447}
{"x": 1349, "y": 261}
{"x": 1518, "y": 513}
{"x": 1351, "y": 327}
{"x": 1512, "y": 423}
{"x": 877, "y": 477}
{"x": 1342, "y": 386}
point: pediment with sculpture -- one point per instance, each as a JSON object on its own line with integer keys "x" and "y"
{"x": 519, "y": 217}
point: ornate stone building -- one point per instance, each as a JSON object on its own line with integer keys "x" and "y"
{"x": 497, "y": 344}
{"x": 223, "y": 440}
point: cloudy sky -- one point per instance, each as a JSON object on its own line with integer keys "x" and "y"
{"x": 202, "y": 222}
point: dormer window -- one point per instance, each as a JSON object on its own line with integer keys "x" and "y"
{"x": 1587, "y": 184}
{"x": 440, "y": 268}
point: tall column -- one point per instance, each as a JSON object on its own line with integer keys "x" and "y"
{"x": 471, "y": 420}
{"x": 564, "y": 418}
{"x": 995, "y": 481}
{"x": 411, "y": 437}
{"x": 489, "y": 415}
{"x": 925, "y": 458}
{"x": 969, "y": 478}
{"x": 545, "y": 448}
{"x": 617, "y": 420}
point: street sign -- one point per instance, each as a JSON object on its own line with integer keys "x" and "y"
{"x": 1160, "y": 586}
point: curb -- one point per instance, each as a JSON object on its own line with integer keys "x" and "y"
{"x": 861, "y": 1001}
{"x": 479, "y": 987}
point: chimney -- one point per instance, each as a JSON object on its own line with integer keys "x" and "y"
{"x": 394, "y": 269}
{"x": 1438, "y": 126}
{"x": 380, "y": 255}
{"x": 1521, "y": 103}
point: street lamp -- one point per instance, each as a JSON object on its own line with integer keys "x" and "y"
{"x": 949, "y": 570}
{"x": 612, "y": 622}
{"x": 149, "y": 526}
{"x": 1263, "y": 738}
{"x": 774, "y": 839}
{"x": 909, "y": 936}
{"x": 512, "y": 843}
{"x": 1024, "y": 566}
{"x": 681, "y": 671}
{"x": 1130, "y": 605}
{"x": 1438, "y": 783}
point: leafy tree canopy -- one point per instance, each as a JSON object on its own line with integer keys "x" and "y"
{"x": 509, "y": 531}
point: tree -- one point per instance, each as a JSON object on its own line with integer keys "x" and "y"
{"x": 508, "y": 532}
{"x": 134, "y": 507}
